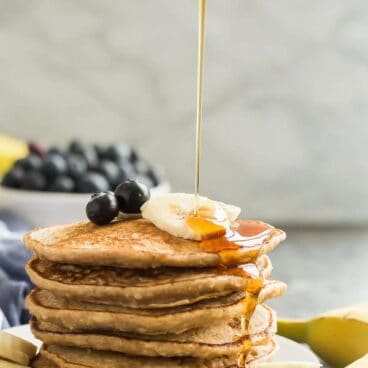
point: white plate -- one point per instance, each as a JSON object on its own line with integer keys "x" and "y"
{"x": 289, "y": 350}
{"x": 47, "y": 208}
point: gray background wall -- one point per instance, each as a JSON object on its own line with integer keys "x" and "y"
{"x": 286, "y": 93}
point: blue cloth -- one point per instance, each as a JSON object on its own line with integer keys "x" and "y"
{"x": 14, "y": 282}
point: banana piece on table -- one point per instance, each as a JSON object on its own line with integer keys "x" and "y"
{"x": 339, "y": 337}
{"x": 6, "y": 364}
{"x": 289, "y": 365}
{"x": 15, "y": 349}
{"x": 360, "y": 363}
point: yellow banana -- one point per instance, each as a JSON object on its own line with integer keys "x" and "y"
{"x": 10, "y": 150}
{"x": 339, "y": 337}
{"x": 360, "y": 363}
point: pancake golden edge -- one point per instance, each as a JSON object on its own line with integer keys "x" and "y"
{"x": 130, "y": 244}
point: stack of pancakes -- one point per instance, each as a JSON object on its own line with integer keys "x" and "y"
{"x": 129, "y": 295}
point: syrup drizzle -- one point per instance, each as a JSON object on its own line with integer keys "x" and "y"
{"x": 202, "y": 10}
{"x": 240, "y": 245}
{"x": 207, "y": 229}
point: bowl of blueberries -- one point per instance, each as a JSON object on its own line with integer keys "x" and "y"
{"x": 52, "y": 185}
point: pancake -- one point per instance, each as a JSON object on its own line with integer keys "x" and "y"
{"x": 148, "y": 288}
{"x": 72, "y": 314}
{"x": 131, "y": 244}
{"x": 68, "y": 357}
{"x": 205, "y": 343}
{"x": 41, "y": 362}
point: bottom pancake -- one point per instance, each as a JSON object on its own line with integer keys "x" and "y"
{"x": 67, "y": 357}
{"x": 205, "y": 343}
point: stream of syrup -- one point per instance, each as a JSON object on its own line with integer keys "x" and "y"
{"x": 240, "y": 245}
{"x": 202, "y": 10}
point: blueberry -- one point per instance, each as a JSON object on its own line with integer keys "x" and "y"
{"x": 13, "y": 178}
{"x": 31, "y": 162}
{"x": 102, "y": 208}
{"x": 34, "y": 180}
{"x": 92, "y": 182}
{"x": 126, "y": 172}
{"x": 63, "y": 183}
{"x": 118, "y": 152}
{"x": 127, "y": 166}
{"x": 141, "y": 166}
{"x": 110, "y": 171}
{"x": 100, "y": 151}
{"x": 156, "y": 175}
{"x": 123, "y": 176}
{"x": 146, "y": 180}
{"x": 54, "y": 165}
{"x": 134, "y": 157}
{"x": 144, "y": 173}
{"x": 86, "y": 151}
{"x": 131, "y": 195}
{"x": 77, "y": 165}
{"x": 77, "y": 146}
{"x": 56, "y": 150}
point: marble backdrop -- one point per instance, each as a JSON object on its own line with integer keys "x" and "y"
{"x": 286, "y": 90}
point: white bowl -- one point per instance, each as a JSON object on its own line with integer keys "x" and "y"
{"x": 48, "y": 208}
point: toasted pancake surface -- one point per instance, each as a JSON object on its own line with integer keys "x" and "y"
{"x": 148, "y": 288}
{"x": 130, "y": 244}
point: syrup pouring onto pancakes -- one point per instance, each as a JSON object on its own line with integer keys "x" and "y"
{"x": 213, "y": 224}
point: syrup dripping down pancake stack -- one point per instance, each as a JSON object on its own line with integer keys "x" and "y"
{"x": 129, "y": 294}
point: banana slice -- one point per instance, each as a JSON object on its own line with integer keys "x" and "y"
{"x": 15, "y": 349}
{"x": 6, "y": 364}
{"x": 171, "y": 212}
{"x": 288, "y": 365}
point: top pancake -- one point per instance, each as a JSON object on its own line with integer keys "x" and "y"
{"x": 130, "y": 244}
